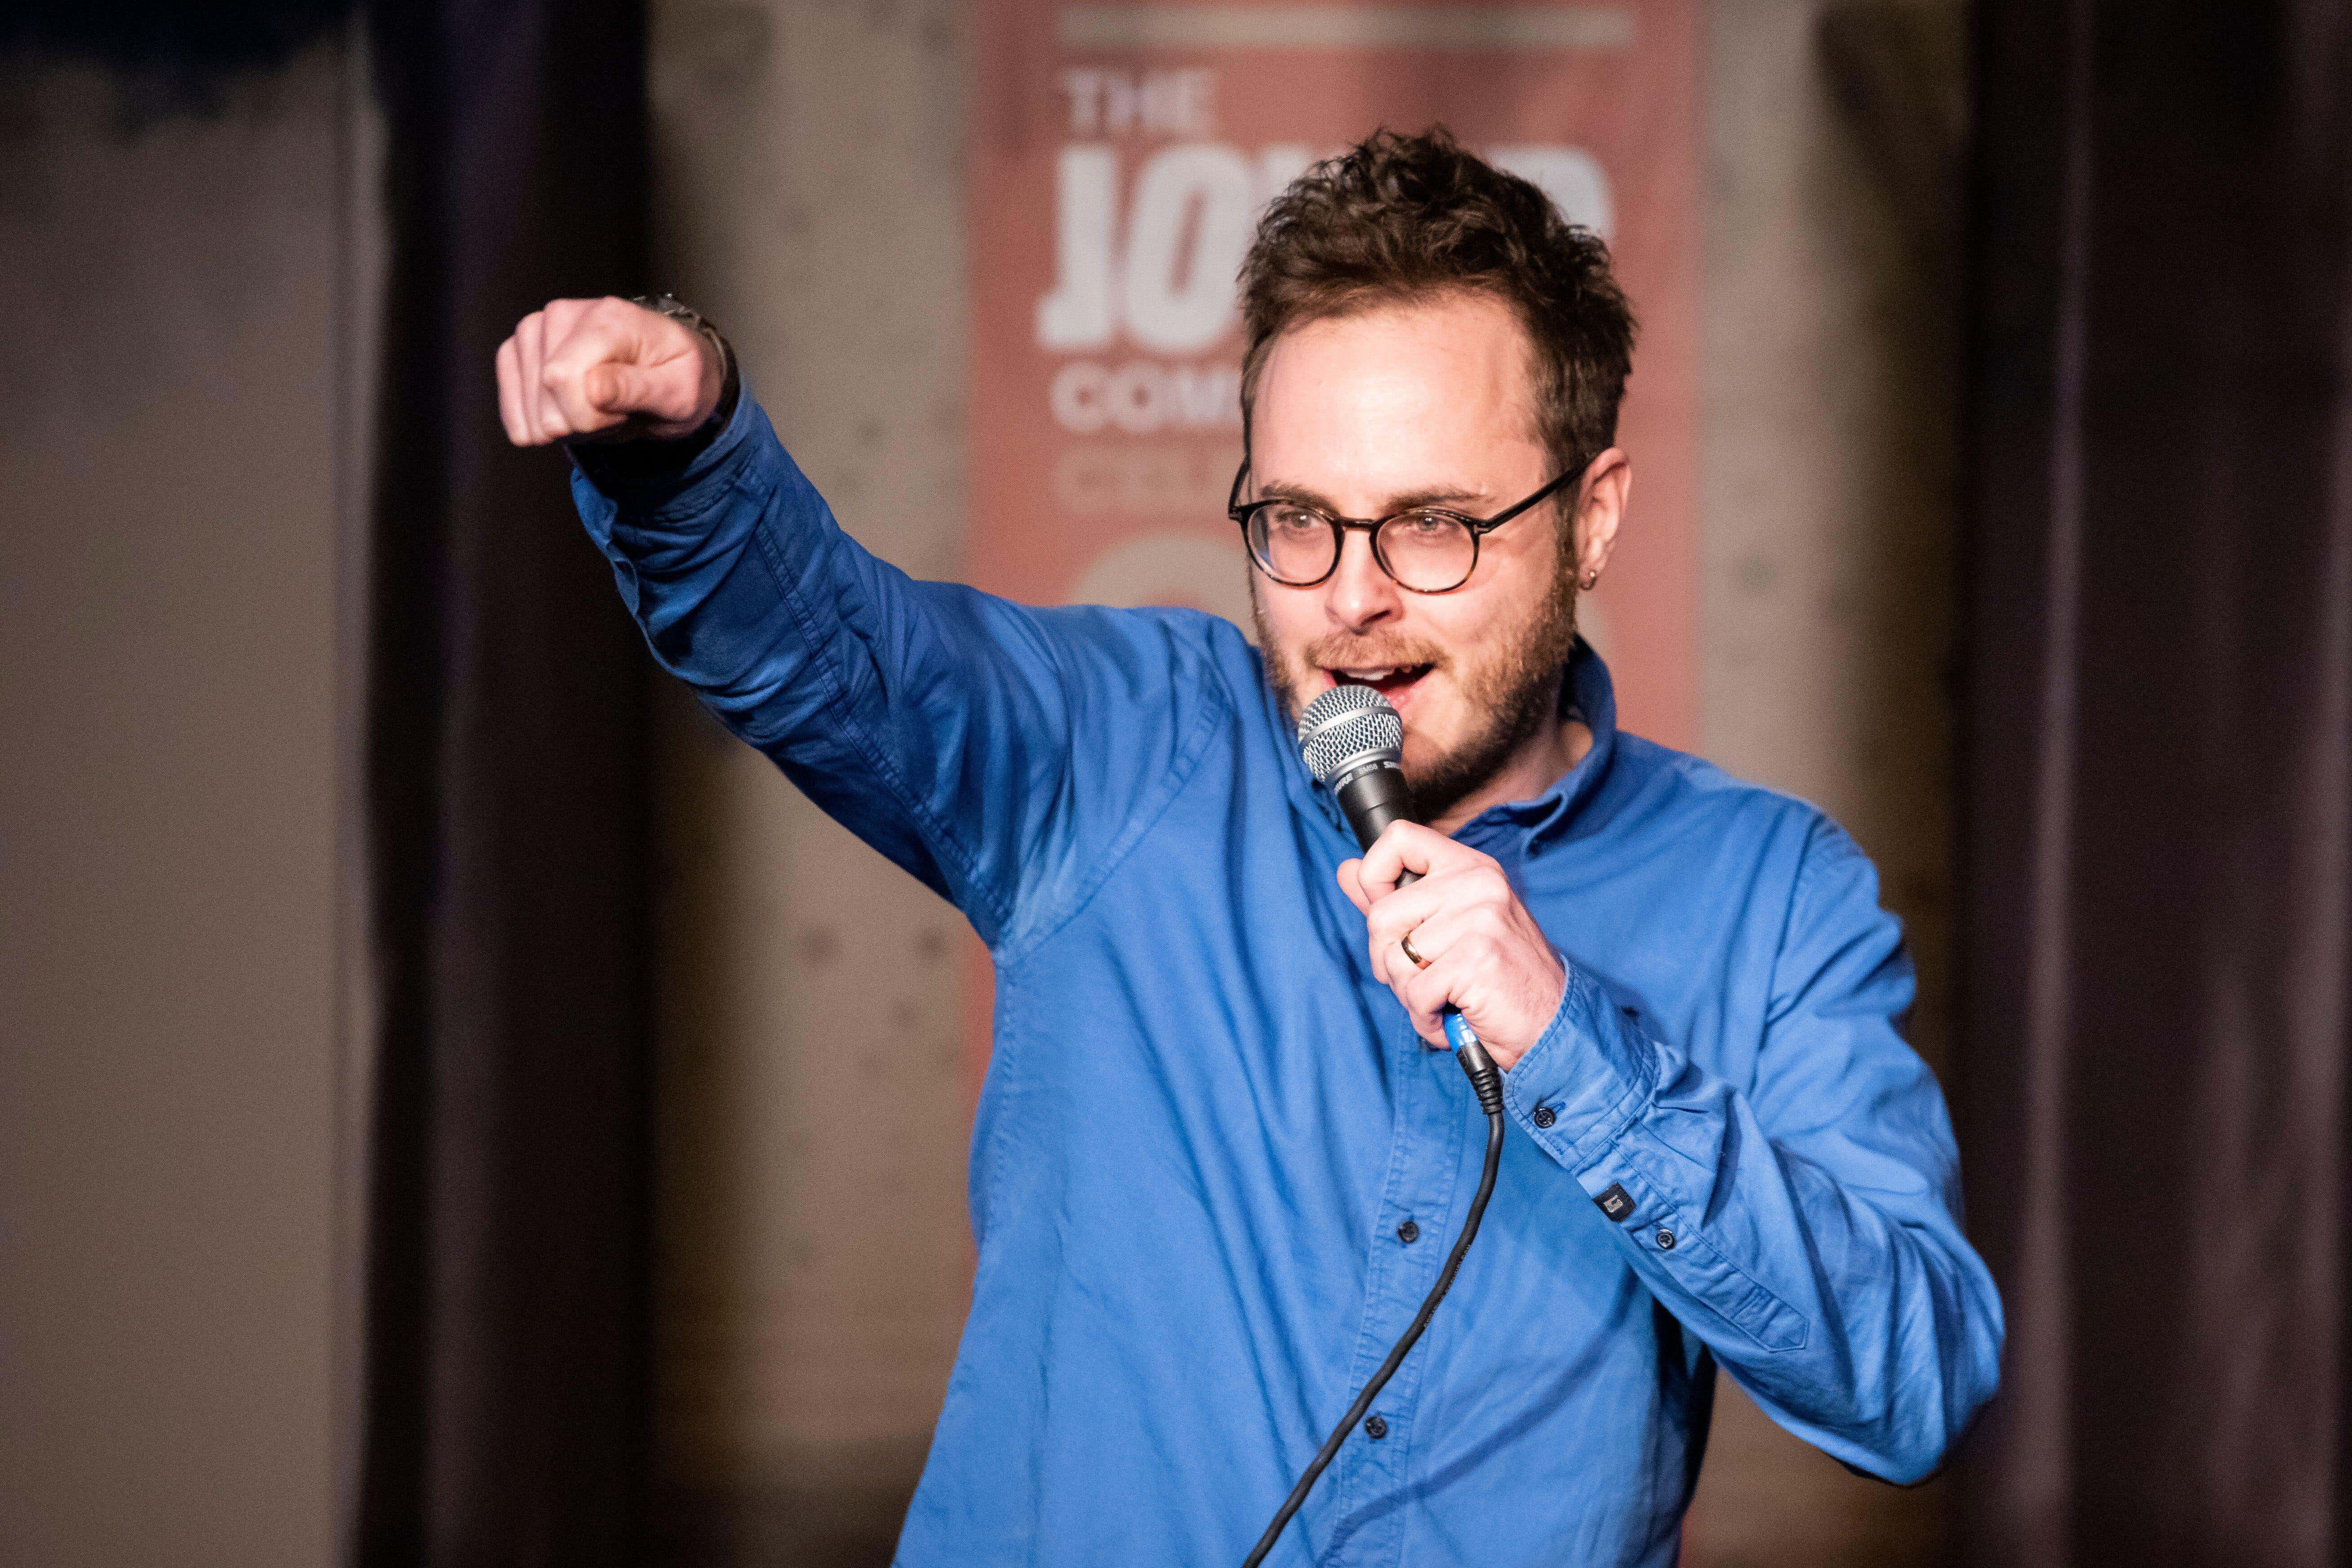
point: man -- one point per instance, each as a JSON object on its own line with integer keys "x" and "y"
{"x": 1219, "y": 1153}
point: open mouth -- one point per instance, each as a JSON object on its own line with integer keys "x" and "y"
{"x": 1395, "y": 682}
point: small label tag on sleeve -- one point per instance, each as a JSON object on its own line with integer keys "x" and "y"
{"x": 1616, "y": 1203}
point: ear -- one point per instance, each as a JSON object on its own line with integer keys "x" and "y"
{"x": 1600, "y": 506}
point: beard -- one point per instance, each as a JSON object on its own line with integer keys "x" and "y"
{"x": 1508, "y": 693}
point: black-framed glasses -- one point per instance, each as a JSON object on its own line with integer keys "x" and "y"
{"x": 1428, "y": 550}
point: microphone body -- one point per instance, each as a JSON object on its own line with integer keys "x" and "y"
{"x": 1373, "y": 799}
{"x": 1354, "y": 742}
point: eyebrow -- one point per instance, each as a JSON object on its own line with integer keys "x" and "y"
{"x": 1452, "y": 497}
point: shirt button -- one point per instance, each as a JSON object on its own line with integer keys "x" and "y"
{"x": 1408, "y": 1233}
{"x": 1375, "y": 1428}
{"x": 1544, "y": 1116}
{"x": 1666, "y": 1241}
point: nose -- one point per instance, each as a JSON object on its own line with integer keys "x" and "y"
{"x": 1358, "y": 595}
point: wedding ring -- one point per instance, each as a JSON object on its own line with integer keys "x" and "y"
{"x": 1405, "y": 941}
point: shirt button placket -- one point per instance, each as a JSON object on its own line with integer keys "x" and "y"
{"x": 1432, "y": 1126}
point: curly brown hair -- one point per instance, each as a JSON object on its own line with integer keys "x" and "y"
{"x": 1404, "y": 218}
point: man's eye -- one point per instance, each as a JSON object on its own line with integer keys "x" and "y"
{"x": 1425, "y": 525}
{"x": 1291, "y": 520}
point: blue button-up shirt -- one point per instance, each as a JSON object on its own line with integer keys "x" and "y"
{"x": 1205, "y": 1126}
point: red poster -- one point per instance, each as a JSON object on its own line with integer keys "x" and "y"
{"x": 1120, "y": 156}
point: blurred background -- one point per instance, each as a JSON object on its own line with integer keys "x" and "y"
{"x": 424, "y": 1136}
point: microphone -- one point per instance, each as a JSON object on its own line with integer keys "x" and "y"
{"x": 1353, "y": 742}
{"x": 1354, "y": 745}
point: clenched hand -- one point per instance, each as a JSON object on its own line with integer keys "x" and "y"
{"x": 582, "y": 367}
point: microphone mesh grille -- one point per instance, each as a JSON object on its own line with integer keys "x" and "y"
{"x": 1346, "y": 727}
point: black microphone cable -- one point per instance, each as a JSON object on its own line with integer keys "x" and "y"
{"x": 1354, "y": 743}
{"x": 1486, "y": 1080}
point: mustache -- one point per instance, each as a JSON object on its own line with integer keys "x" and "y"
{"x": 1339, "y": 652}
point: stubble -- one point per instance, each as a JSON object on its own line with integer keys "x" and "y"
{"x": 1510, "y": 693}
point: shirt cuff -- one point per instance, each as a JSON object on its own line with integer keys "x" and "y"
{"x": 673, "y": 479}
{"x": 1587, "y": 1078}
{"x": 674, "y": 528}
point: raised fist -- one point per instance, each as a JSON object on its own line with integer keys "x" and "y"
{"x": 582, "y": 366}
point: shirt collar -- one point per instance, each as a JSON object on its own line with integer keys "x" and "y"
{"x": 1588, "y": 694}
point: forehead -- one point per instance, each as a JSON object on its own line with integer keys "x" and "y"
{"x": 1397, "y": 398}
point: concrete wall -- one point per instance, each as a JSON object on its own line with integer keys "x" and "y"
{"x": 1829, "y": 386}
{"x": 168, "y": 746}
{"x": 814, "y": 1242}
{"x": 815, "y": 1249}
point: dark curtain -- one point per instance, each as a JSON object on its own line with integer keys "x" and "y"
{"x": 504, "y": 1407}
{"x": 2158, "y": 781}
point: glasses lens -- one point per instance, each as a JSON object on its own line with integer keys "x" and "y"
{"x": 1292, "y": 544}
{"x": 1428, "y": 550}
